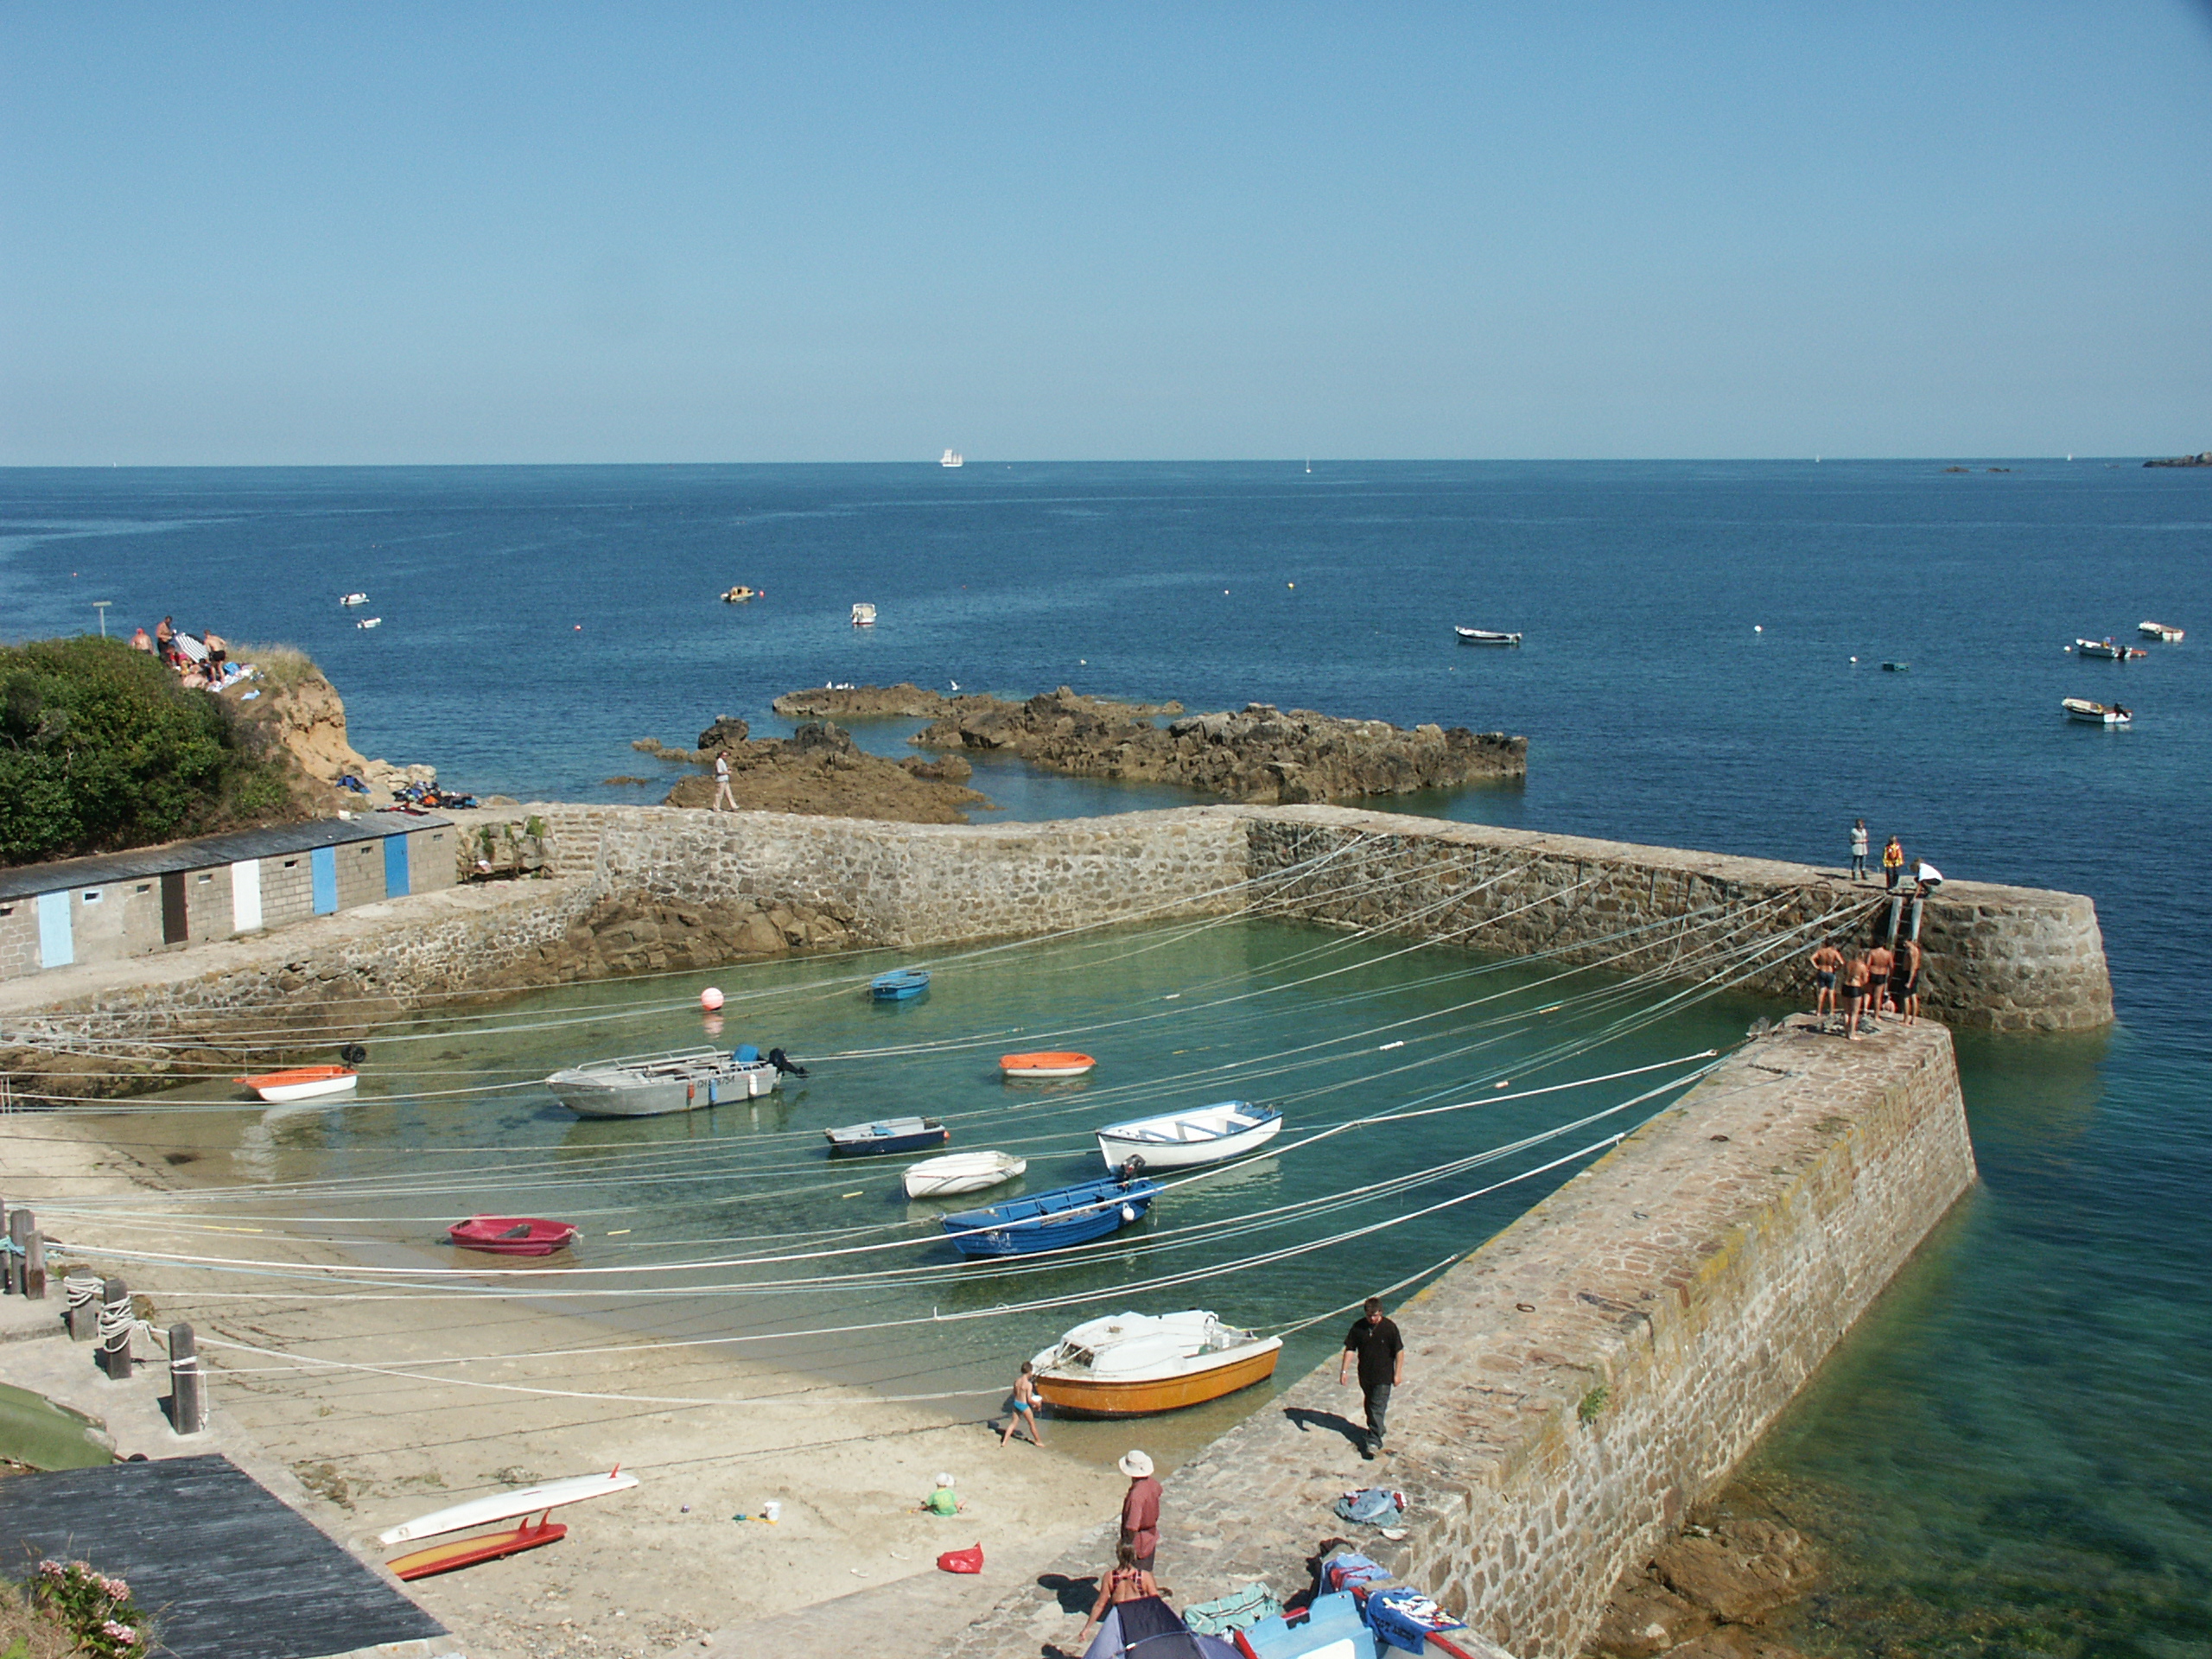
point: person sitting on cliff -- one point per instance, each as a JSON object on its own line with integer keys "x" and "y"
{"x": 1126, "y": 1581}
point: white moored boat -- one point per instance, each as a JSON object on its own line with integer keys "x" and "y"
{"x": 863, "y": 615}
{"x": 1205, "y": 1134}
{"x": 680, "y": 1080}
{"x": 2160, "y": 631}
{"x": 1485, "y": 637}
{"x": 961, "y": 1171}
{"x": 352, "y": 599}
{"x": 1132, "y": 1364}
{"x": 2097, "y": 714}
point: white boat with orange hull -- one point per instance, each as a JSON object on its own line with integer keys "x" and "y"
{"x": 1135, "y": 1364}
{"x": 302, "y": 1083}
{"x": 1051, "y": 1064}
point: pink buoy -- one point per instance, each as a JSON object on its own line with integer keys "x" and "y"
{"x": 711, "y": 999}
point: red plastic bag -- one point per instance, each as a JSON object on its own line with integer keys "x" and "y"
{"x": 969, "y": 1560}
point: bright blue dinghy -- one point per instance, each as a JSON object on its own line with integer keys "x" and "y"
{"x": 900, "y": 985}
{"x": 1045, "y": 1221}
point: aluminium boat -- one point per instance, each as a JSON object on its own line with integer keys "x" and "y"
{"x": 1205, "y": 1134}
{"x": 1051, "y": 1220}
{"x": 1134, "y": 1364}
{"x": 679, "y": 1080}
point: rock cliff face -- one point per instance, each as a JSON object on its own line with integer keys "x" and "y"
{"x": 1259, "y": 754}
{"x": 634, "y": 932}
{"x": 1708, "y": 1593}
{"x": 2204, "y": 459}
{"x": 819, "y": 770}
{"x": 300, "y": 712}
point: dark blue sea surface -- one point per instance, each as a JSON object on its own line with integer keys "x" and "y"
{"x": 2011, "y": 1454}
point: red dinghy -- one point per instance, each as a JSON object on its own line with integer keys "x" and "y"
{"x": 511, "y": 1235}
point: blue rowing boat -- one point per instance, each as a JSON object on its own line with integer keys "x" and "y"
{"x": 900, "y": 985}
{"x": 1045, "y": 1221}
{"x": 885, "y": 1135}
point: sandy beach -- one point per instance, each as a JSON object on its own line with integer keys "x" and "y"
{"x": 380, "y": 1431}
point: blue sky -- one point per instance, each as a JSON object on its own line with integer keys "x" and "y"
{"x": 315, "y": 234}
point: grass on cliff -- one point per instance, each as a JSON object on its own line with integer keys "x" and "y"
{"x": 283, "y": 668}
{"x": 101, "y": 749}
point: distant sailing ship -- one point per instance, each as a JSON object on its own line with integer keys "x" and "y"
{"x": 950, "y": 458}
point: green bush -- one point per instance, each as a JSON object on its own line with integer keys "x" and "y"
{"x": 101, "y": 748}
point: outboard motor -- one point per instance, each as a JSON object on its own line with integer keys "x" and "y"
{"x": 353, "y": 1054}
{"x": 785, "y": 1065}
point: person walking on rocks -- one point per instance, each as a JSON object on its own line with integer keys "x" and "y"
{"x": 724, "y": 801}
{"x": 1140, "y": 1510}
{"x": 1892, "y": 861}
{"x": 1826, "y": 961}
{"x": 1382, "y": 1355}
{"x": 1858, "y": 850}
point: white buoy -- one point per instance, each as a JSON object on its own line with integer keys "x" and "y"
{"x": 711, "y": 999}
{"x": 1756, "y": 628}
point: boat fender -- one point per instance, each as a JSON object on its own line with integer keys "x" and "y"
{"x": 1128, "y": 1213}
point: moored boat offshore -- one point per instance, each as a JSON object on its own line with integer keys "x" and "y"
{"x": 2172, "y": 636}
{"x": 2097, "y": 714}
{"x": 679, "y": 1080}
{"x": 1132, "y": 1364}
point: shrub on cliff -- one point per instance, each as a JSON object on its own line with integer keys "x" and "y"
{"x": 100, "y": 748}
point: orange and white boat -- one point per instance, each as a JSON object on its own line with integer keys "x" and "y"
{"x": 1134, "y": 1364}
{"x": 303, "y": 1082}
{"x": 1046, "y": 1065}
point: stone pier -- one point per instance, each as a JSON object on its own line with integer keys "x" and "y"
{"x": 1582, "y": 1379}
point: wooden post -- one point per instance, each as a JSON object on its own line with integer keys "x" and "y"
{"x": 115, "y": 1315}
{"x": 83, "y": 1313}
{"x": 20, "y": 1223}
{"x": 187, "y": 1388}
{"x": 34, "y": 1262}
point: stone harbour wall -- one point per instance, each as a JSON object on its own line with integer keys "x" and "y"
{"x": 1582, "y": 1379}
{"x": 2000, "y": 958}
{"x": 910, "y": 883}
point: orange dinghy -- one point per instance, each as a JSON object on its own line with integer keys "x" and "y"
{"x": 302, "y": 1083}
{"x": 1134, "y": 1364}
{"x": 1046, "y": 1065}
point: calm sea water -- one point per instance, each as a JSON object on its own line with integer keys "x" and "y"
{"x": 2011, "y": 1455}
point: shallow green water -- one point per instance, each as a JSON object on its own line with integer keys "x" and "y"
{"x": 34, "y": 1430}
{"x": 745, "y": 1228}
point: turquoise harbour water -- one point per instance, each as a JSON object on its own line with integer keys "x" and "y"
{"x": 2009, "y": 1456}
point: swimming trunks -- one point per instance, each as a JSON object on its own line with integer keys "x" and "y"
{"x": 1911, "y": 988}
{"x": 1824, "y": 979}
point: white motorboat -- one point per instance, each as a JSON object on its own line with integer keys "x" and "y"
{"x": 2097, "y": 714}
{"x": 1206, "y": 1134}
{"x": 352, "y": 599}
{"x": 1132, "y": 1364}
{"x": 961, "y": 1171}
{"x": 952, "y": 458}
{"x": 2172, "y": 636}
{"x": 863, "y": 616}
{"x": 680, "y": 1080}
{"x": 2111, "y": 650}
{"x": 370, "y": 622}
{"x": 1485, "y": 637}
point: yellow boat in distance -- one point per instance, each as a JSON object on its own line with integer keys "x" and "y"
{"x": 1045, "y": 1064}
{"x": 1135, "y": 1364}
{"x": 739, "y": 593}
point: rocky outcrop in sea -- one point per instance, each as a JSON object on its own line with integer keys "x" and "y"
{"x": 819, "y": 770}
{"x": 2204, "y": 460}
{"x": 1259, "y": 754}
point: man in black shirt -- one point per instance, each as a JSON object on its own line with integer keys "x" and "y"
{"x": 1382, "y": 1368}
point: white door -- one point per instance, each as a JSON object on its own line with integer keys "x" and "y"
{"x": 245, "y": 896}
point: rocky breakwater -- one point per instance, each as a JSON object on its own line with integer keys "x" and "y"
{"x": 820, "y": 772}
{"x": 1259, "y": 754}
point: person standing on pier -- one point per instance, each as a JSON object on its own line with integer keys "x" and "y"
{"x": 1854, "y": 994}
{"x": 1880, "y": 961}
{"x": 1893, "y": 862}
{"x": 1381, "y": 1354}
{"x": 1906, "y": 975}
{"x": 1826, "y": 961}
{"x": 1140, "y": 1510}
{"x": 1858, "y": 850}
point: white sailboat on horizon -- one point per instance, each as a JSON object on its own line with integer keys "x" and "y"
{"x": 952, "y": 458}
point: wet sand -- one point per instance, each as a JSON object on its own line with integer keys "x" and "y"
{"x": 545, "y": 1395}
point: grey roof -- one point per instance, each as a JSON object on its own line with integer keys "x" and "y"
{"x": 207, "y": 852}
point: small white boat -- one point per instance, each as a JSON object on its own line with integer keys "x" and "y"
{"x": 2159, "y": 631}
{"x": 2109, "y": 649}
{"x": 2097, "y": 714}
{"x": 952, "y": 458}
{"x": 507, "y": 1506}
{"x": 1485, "y": 637}
{"x": 370, "y": 622}
{"x": 302, "y": 1083}
{"x": 961, "y": 1171}
{"x": 863, "y": 616}
{"x": 1133, "y": 1364}
{"x": 352, "y": 599}
{"x": 651, "y": 1085}
{"x": 1206, "y": 1134}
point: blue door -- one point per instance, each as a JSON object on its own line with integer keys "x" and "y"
{"x": 322, "y": 870}
{"x": 56, "y": 942}
{"x": 395, "y": 866}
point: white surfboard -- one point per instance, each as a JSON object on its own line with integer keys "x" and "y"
{"x": 507, "y": 1506}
